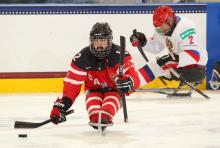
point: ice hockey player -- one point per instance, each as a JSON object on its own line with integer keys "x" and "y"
{"x": 97, "y": 67}
{"x": 179, "y": 36}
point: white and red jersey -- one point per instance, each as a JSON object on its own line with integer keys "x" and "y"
{"x": 96, "y": 73}
{"x": 183, "y": 41}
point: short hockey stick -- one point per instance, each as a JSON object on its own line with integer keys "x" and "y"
{"x": 21, "y": 124}
{"x": 140, "y": 48}
{"x": 121, "y": 60}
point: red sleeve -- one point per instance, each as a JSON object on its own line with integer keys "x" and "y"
{"x": 73, "y": 81}
{"x": 129, "y": 70}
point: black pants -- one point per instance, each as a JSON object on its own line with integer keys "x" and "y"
{"x": 194, "y": 74}
{"x": 102, "y": 90}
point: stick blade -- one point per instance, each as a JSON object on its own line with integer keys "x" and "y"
{"x": 21, "y": 124}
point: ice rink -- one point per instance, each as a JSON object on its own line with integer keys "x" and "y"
{"x": 154, "y": 122}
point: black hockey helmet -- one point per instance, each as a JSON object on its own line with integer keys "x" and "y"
{"x": 101, "y": 31}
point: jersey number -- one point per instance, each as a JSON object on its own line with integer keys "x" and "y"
{"x": 191, "y": 39}
{"x": 76, "y": 56}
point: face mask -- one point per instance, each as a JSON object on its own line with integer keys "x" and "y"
{"x": 159, "y": 31}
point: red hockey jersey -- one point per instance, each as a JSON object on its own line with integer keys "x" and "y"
{"x": 96, "y": 73}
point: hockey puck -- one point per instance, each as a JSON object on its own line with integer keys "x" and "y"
{"x": 22, "y": 135}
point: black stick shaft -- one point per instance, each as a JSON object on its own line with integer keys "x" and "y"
{"x": 21, "y": 124}
{"x": 121, "y": 60}
{"x": 140, "y": 48}
{"x": 122, "y": 55}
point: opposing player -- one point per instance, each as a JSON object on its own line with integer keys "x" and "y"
{"x": 97, "y": 67}
{"x": 179, "y": 36}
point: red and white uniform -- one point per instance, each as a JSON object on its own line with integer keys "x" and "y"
{"x": 98, "y": 77}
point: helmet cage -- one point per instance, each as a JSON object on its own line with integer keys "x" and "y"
{"x": 97, "y": 52}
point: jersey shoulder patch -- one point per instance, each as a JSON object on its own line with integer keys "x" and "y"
{"x": 187, "y": 33}
{"x": 186, "y": 28}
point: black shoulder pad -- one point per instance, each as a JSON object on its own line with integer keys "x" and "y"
{"x": 84, "y": 59}
{"x": 114, "y": 57}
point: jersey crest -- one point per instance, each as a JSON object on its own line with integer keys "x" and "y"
{"x": 169, "y": 44}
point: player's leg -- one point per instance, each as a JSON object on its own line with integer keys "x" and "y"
{"x": 93, "y": 105}
{"x": 217, "y": 70}
{"x": 215, "y": 78}
{"x": 110, "y": 106}
{"x": 193, "y": 74}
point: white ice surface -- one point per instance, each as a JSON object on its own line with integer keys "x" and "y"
{"x": 154, "y": 122}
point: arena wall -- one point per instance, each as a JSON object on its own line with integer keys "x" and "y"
{"x": 39, "y": 41}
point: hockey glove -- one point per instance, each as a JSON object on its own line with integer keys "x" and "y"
{"x": 58, "y": 113}
{"x": 124, "y": 84}
{"x": 138, "y": 39}
{"x": 168, "y": 61}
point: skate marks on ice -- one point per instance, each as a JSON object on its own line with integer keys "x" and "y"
{"x": 69, "y": 134}
{"x": 152, "y": 123}
{"x": 161, "y": 98}
{"x": 82, "y": 135}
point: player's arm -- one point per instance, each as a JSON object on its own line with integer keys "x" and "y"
{"x": 153, "y": 45}
{"x": 130, "y": 80}
{"x": 73, "y": 81}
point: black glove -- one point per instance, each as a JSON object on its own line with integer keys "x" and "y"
{"x": 58, "y": 113}
{"x": 168, "y": 61}
{"x": 138, "y": 39}
{"x": 124, "y": 84}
